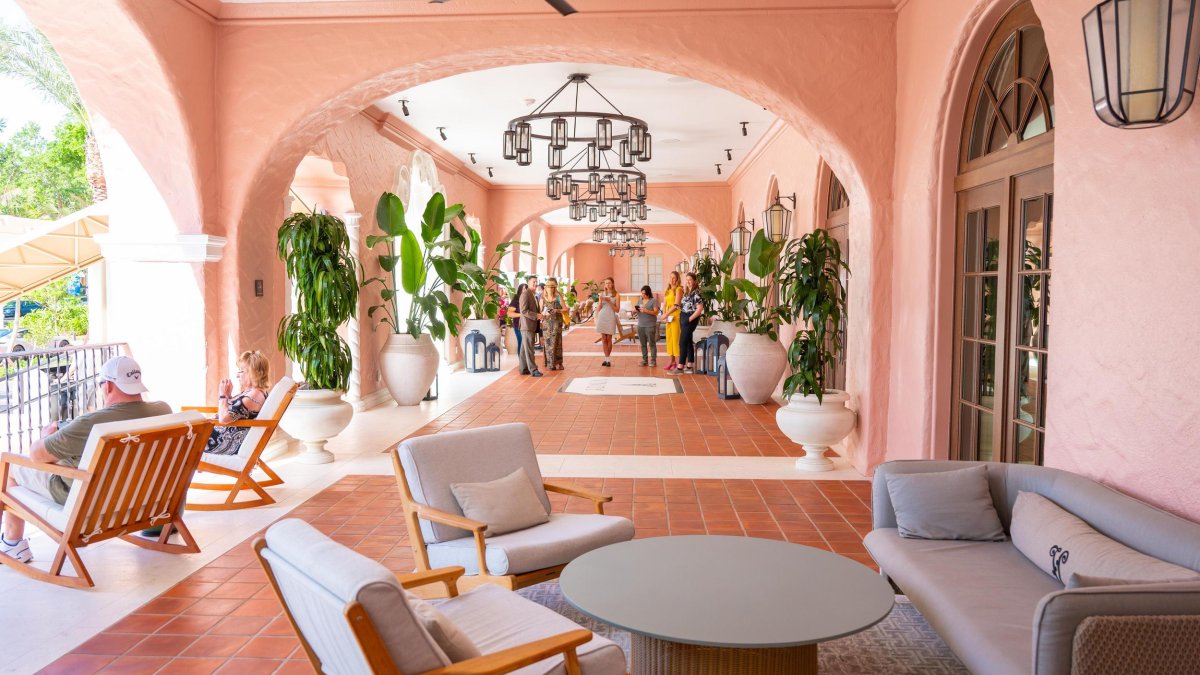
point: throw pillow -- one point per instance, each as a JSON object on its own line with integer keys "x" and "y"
{"x": 1061, "y": 545}
{"x": 1086, "y": 581}
{"x": 506, "y": 504}
{"x": 945, "y": 505}
{"x": 454, "y": 642}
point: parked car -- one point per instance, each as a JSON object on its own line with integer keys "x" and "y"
{"x": 27, "y": 307}
{"x": 16, "y": 343}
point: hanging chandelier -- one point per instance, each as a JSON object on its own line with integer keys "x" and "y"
{"x": 630, "y": 250}
{"x": 596, "y": 131}
{"x": 614, "y": 233}
{"x": 596, "y": 195}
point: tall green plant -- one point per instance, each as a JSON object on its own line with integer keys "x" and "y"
{"x": 427, "y": 268}
{"x": 811, "y": 289}
{"x": 481, "y": 284}
{"x": 760, "y": 315}
{"x": 315, "y": 249}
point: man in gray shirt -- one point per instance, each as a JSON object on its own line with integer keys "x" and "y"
{"x": 647, "y": 325}
{"x": 120, "y": 383}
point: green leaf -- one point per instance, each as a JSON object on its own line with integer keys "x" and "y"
{"x": 412, "y": 268}
{"x": 447, "y": 269}
{"x": 389, "y": 215}
{"x": 434, "y": 218}
{"x": 388, "y": 262}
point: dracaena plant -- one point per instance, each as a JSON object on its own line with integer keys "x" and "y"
{"x": 427, "y": 265}
{"x": 717, "y": 287}
{"x": 315, "y": 249}
{"x": 481, "y": 284}
{"x": 760, "y": 315}
{"x": 812, "y": 291}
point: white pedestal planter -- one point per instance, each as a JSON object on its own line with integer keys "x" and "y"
{"x": 314, "y": 417}
{"x": 756, "y": 362}
{"x": 408, "y": 367}
{"x": 816, "y": 426}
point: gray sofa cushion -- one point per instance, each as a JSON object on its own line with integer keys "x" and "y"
{"x": 945, "y": 505}
{"x": 979, "y": 596}
{"x": 496, "y": 619}
{"x": 561, "y": 540}
{"x": 506, "y": 504}
{"x": 1085, "y": 581}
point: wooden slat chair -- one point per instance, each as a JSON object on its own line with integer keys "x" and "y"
{"x": 352, "y": 615}
{"x": 133, "y": 475}
{"x": 240, "y": 467}
{"x": 441, "y": 536}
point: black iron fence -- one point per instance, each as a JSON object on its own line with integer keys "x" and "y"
{"x": 49, "y": 385}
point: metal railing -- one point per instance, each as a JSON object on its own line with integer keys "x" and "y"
{"x": 48, "y": 385}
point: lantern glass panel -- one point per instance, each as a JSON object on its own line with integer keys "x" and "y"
{"x": 612, "y": 212}
{"x": 639, "y": 187}
{"x": 777, "y": 221}
{"x": 558, "y": 133}
{"x": 623, "y": 154}
{"x": 593, "y": 156}
{"x": 646, "y": 149}
{"x": 524, "y": 158}
{"x": 641, "y": 211}
{"x": 740, "y": 240}
{"x": 568, "y": 185}
{"x": 637, "y": 139}
{"x": 510, "y": 144}
{"x": 553, "y": 188}
{"x": 594, "y": 184}
{"x": 593, "y": 214}
{"x": 524, "y": 137}
{"x": 604, "y": 137}
{"x": 554, "y": 157}
{"x": 622, "y": 185}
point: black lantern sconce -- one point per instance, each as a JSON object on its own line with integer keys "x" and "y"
{"x": 726, "y": 389}
{"x": 1143, "y": 57}
{"x": 475, "y": 352}
{"x": 740, "y": 237}
{"x": 492, "y": 354}
{"x": 777, "y": 219}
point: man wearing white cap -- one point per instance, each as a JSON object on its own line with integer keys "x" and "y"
{"x": 120, "y": 383}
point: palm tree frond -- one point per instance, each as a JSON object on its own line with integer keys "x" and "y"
{"x": 26, "y": 54}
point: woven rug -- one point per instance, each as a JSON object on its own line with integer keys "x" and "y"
{"x": 901, "y": 644}
{"x": 622, "y": 386}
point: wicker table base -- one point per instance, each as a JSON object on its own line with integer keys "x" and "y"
{"x": 660, "y": 657}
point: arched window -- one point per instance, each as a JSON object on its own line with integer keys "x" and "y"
{"x": 837, "y": 223}
{"x": 1004, "y": 192}
{"x": 543, "y": 255}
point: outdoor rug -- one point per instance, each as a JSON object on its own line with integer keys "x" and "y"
{"x": 901, "y": 644}
{"x": 622, "y": 386}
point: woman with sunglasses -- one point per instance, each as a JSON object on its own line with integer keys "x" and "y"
{"x": 552, "y": 325}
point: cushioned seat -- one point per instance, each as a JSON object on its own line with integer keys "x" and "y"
{"x": 558, "y": 542}
{"x": 973, "y": 588}
{"x": 475, "y": 614}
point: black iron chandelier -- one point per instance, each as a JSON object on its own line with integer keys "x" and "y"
{"x": 619, "y": 233}
{"x": 613, "y": 194}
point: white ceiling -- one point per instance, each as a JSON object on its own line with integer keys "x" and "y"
{"x": 691, "y": 122}
{"x": 655, "y": 216}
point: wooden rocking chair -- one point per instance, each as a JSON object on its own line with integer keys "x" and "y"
{"x": 240, "y": 467}
{"x": 133, "y": 475}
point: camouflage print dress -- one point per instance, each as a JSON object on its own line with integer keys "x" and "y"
{"x": 552, "y": 330}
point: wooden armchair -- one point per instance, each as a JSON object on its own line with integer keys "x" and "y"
{"x": 353, "y": 616}
{"x": 133, "y": 475}
{"x": 240, "y": 467}
{"x": 441, "y": 536}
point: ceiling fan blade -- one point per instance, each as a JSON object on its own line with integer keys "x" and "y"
{"x": 562, "y": 6}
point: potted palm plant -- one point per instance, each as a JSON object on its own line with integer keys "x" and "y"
{"x": 720, "y": 293}
{"x": 755, "y": 360}
{"x": 481, "y": 286}
{"x": 811, "y": 290}
{"x": 315, "y": 249}
{"x": 427, "y": 265}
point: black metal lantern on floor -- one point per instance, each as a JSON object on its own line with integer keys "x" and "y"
{"x": 432, "y": 394}
{"x": 714, "y": 350}
{"x": 1143, "y": 57}
{"x": 474, "y": 354}
{"x": 726, "y": 389}
{"x": 493, "y": 357}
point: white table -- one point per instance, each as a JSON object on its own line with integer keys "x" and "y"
{"x": 716, "y": 604}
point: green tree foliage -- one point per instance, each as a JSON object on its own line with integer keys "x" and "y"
{"x": 61, "y": 313}
{"x": 44, "y": 178}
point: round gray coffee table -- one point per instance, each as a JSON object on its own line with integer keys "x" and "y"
{"x": 714, "y": 604}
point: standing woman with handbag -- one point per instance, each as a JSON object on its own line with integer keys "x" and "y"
{"x": 670, "y": 308}
{"x": 552, "y": 325}
{"x": 691, "y": 309}
{"x": 606, "y": 316}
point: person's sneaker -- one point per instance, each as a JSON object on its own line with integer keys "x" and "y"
{"x": 19, "y": 550}
{"x": 652, "y": 364}
{"x": 643, "y": 364}
{"x": 536, "y": 373}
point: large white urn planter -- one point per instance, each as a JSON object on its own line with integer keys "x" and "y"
{"x": 408, "y": 366}
{"x": 755, "y": 362}
{"x": 314, "y": 417}
{"x": 816, "y": 426}
{"x": 729, "y": 329}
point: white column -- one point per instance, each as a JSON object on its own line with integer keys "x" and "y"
{"x": 354, "y": 389}
{"x": 97, "y": 283}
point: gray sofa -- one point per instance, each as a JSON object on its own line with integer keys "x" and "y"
{"x": 1001, "y": 614}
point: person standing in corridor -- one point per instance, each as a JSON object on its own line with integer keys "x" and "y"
{"x": 552, "y": 325}
{"x": 528, "y": 307}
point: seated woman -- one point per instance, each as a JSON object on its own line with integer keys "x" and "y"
{"x": 253, "y": 379}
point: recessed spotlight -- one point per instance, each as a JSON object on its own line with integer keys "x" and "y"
{"x": 442, "y": 133}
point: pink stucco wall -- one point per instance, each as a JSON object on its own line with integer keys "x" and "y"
{"x": 592, "y": 263}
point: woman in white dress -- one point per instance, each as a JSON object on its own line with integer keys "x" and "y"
{"x": 606, "y": 317}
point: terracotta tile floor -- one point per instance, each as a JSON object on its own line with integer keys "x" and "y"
{"x": 694, "y": 423}
{"x": 225, "y": 618}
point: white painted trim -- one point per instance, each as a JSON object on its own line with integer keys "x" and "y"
{"x": 377, "y": 398}
{"x": 188, "y": 248}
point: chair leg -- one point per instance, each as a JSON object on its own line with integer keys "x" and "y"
{"x": 272, "y": 477}
{"x": 54, "y": 575}
{"x": 189, "y": 544}
{"x": 244, "y": 482}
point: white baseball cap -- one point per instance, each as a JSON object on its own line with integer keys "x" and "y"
{"x": 124, "y": 373}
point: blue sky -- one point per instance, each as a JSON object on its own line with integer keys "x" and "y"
{"x": 18, "y": 103}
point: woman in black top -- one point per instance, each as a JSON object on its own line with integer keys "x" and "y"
{"x": 691, "y": 309}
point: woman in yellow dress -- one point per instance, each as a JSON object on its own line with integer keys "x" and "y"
{"x": 670, "y": 309}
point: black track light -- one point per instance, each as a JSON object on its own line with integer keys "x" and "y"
{"x": 745, "y": 132}
{"x": 490, "y": 174}
{"x": 472, "y": 156}
{"x": 442, "y": 132}
{"x": 404, "y": 106}
{"x": 729, "y": 154}
{"x": 718, "y": 169}
{"x": 562, "y": 6}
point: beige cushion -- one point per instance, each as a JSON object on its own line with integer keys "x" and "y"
{"x": 506, "y": 504}
{"x": 454, "y": 642}
{"x": 565, "y": 537}
{"x": 1061, "y": 545}
{"x": 945, "y": 505}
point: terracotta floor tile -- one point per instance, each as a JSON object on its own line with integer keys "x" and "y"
{"x": 270, "y": 647}
{"x": 264, "y": 607}
{"x": 77, "y": 664}
{"x": 213, "y": 607}
{"x": 163, "y": 645}
{"x": 295, "y": 667}
{"x": 237, "y": 590}
{"x": 139, "y": 623}
{"x": 110, "y": 644}
{"x": 216, "y": 645}
{"x": 190, "y": 666}
{"x": 136, "y": 665}
{"x": 240, "y": 625}
{"x": 189, "y": 625}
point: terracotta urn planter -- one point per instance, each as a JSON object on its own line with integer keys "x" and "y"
{"x": 408, "y": 366}
{"x": 314, "y": 417}
{"x": 816, "y": 426}
{"x": 756, "y": 363}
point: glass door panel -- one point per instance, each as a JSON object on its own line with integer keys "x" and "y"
{"x": 1031, "y": 280}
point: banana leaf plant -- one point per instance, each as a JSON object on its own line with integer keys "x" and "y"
{"x": 315, "y": 249}
{"x": 812, "y": 291}
{"x": 427, "y": 265}
{"x": 481, "y": 285}
{"x": 717, "y": 287}
{"x": 759, "y": 313}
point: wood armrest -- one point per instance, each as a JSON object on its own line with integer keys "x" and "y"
{"x": 249, "y": 423}
{"x": 430, "y": 513}
{"x": 57, "y": 469}
{"x": 199, "y": 408}
{"x": 508, "y": 660}
{"x": 447, "y": 575}
{"x": 598, "y": 499}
